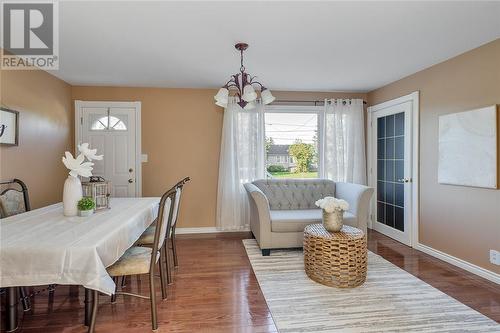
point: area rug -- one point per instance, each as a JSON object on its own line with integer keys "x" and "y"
{"x": 391, "y": 299}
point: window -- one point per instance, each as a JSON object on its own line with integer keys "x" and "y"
{"x": 114, "y": 124}
{"x": 292, "y": 142}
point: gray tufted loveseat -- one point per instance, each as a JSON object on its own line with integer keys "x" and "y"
{"x": 281, "y": 208}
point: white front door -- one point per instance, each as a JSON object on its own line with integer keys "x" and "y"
{"x": 391, "y": 170}
{"x": 110, "y": 127}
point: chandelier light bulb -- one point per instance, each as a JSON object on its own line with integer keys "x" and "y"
{"x": 249, "y": 106}
{"x": 221, "y": 104}
{"x": 249, "y": 94}
{"x": 222, "y": 96}
{"x": 266, "y": 96}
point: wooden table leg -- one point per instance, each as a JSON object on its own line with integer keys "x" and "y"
{"x": 11, "y": 313}
{"x": 88, "y": 306}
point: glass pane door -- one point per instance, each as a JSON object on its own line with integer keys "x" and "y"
{"x": 390, "y": 170}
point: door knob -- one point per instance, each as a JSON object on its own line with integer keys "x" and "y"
{"x": 130, "y": 170}
{"x": 130, "y": 180}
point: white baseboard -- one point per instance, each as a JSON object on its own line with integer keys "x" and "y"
{"x": 482, "y": 272}
{"x": 202, "y": 230}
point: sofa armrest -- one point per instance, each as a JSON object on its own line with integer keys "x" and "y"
{"x": 358, "y": 197}
{"x": 260, "y": 218}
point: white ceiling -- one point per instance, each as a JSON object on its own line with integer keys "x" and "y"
{"x": 317, "y": 46}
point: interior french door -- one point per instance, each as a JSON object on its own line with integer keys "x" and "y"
{"x": 110, "y": 127}
{"x": 391, "y": 171}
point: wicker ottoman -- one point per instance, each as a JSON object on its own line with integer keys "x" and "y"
{"x": 335, "y": 259}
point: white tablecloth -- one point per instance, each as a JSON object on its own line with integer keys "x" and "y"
{"x": 44, "y": 247}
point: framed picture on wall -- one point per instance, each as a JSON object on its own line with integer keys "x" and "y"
{"x": 9, "y": 127}
{"x": 468, "y": 148}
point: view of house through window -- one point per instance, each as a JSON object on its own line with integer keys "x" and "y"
{"x": 291, "y": 145}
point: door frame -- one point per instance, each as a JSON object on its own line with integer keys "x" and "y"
{"x": 79, "y": 105}
{"x": 413, "y": 98}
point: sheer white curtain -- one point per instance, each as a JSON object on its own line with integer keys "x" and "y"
{"x": 343, "y": 145}
{"x": 241, "y": 161}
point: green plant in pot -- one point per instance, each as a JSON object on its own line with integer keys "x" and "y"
{"x": 86, "y": 206}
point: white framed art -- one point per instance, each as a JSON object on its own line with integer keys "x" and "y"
{"x": 468, "y": 148}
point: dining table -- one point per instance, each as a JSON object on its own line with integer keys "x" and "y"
{"x": 44, "y": 247}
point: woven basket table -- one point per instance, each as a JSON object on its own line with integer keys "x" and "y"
{"x": 335, "y": 259}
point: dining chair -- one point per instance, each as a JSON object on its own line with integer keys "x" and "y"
{"x": 142, "y": 260}
{"x": 180, "y": 185}
{"x": 15, "y": 201}
{"x": 146, "y": 238}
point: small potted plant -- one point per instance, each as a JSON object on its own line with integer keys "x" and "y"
{"x": 333, "y": 212}
{"x": 86, "y": 206}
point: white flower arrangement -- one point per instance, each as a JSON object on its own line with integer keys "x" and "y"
{"x": 90, "y": 154}
{"x": 78, "y": 166}
{"x": 330, "y": 204}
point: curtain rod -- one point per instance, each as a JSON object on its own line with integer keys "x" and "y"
{"x": 315, "y": 102}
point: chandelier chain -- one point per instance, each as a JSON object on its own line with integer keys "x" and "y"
{"x": 242, "y": 68}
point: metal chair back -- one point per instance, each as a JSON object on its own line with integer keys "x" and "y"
{"x": 179, "y": 186}
{"x": 163, "y": 224}
{"x": 14, "y": 201}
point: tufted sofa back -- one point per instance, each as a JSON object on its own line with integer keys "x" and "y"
{"x": 284, "y": 194}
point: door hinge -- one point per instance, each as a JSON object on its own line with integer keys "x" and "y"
{"x": 81, "y": 121}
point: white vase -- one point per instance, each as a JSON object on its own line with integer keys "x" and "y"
{"x": 333, "y": 221}
{"x": 72, "y": 193}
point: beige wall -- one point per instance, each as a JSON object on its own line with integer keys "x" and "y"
{"x": 181, "y": 133}
{"x": 461, "y": 221}
{"x": 45, "y": 132}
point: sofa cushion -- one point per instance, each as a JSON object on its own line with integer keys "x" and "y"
{"x": 295, "y": 194}
{"x": 297, "y": 220}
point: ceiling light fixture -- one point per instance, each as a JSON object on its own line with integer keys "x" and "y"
{"x": 243, "y": 86}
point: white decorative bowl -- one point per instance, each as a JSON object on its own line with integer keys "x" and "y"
{"x": 84, "y": 213}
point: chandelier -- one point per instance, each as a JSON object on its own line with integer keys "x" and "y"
{"x": 242, "y": 84}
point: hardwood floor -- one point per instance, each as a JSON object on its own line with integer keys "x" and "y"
{"x": 472, "y": 290}
{"x": 215, "y": 290}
